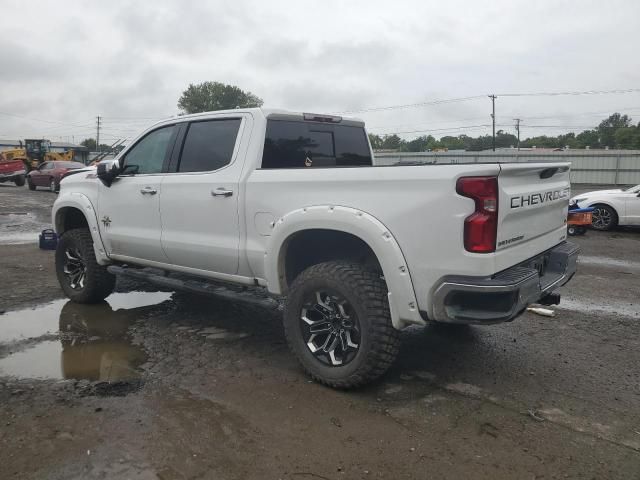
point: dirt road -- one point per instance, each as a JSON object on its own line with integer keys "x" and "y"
{"x": 174, "y": 386}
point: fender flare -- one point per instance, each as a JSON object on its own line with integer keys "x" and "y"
{"x": 401, "y": 295}
{"x": 82, "y": 203}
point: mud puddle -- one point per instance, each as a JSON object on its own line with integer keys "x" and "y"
{"x": 20, "y": 227}
{"x": 66, "y": 340}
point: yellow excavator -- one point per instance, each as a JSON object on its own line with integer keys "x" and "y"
{"x": 35, "y": 152}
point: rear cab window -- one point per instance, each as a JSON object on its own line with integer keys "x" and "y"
{"x": 309, "y": 144}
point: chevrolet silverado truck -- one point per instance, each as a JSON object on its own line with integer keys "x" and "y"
{"x": 293, "y": 203}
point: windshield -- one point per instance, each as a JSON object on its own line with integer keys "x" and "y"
{"x": 635, "y": 189}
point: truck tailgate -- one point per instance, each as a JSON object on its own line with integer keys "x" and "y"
{"x": 532, "y": 213}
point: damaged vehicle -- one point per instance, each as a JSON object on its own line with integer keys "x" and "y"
{"x": 292, "y": 203}
{"x": 611, "y": 207}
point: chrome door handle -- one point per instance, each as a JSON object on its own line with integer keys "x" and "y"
{"x": 148, "y": 191}
{"x": 221, "y": 192}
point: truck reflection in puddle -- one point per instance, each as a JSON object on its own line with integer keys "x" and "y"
{"x": 92, "y": 340}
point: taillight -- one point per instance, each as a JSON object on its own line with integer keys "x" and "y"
{"x": 481, "y": 227}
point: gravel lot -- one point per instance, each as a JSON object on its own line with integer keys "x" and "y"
{"x": 174, "y": 386}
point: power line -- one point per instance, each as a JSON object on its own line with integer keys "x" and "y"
{"x": 412, "y": 105}
{"x": 585, "y": 92}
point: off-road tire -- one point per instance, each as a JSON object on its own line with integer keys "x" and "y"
{"x": 99, "y": 283}
{"x": 19, "y": 181}
{"x": 30, "y": 183}
{"x": 367, "y": 294}
{"x": 613, "y": 215}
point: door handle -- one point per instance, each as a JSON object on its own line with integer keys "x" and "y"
{"x": 148, "y": 191}
{"x": 221, "y": 192}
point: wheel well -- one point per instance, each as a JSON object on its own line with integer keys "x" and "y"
{"x": 602, "y": 204}
{"x": 310, "y": 247}
{"x": 68, "y": 218}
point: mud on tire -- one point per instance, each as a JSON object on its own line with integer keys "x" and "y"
{"x": 78, "y": 272}
{"x": 364, "y": 303}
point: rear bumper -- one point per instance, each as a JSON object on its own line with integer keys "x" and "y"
{"x": 505, "y": 295}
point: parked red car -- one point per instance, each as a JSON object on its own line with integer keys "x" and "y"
{"x": 49, "y": 174}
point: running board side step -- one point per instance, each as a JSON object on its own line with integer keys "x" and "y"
{"x": 194, "y": 285}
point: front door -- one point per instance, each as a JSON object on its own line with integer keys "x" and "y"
{"x": 129, "y": 210}
{"x": 199, "y": 202}
{"x": 632, "y": 204}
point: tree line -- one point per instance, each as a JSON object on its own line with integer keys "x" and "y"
{"x": 616, "y": 131}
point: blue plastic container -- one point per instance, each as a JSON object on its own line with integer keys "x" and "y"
{"x": 48, "y": 239}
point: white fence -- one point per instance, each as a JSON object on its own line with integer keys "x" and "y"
{"x": 597, "y": 168}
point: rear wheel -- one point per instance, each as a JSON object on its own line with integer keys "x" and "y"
{"x": 19, "y": 181}
{"x": 337, "y": 323}
{"x": 78, "y": 272}
{"x": 32, "y": 186}
{"x": 604, "y": 217}
{"x": 572, "y": 230}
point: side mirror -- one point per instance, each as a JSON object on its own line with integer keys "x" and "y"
{"x": 107, "y": 172}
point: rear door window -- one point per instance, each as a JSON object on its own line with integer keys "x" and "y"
{"x": 299, "y": 144}
{"x": 209, "y": 145}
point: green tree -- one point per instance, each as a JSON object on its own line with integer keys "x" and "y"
{"x": 376, "y": 141}
{"x": 420, "y": 144}
{"x": 209, "y": 96}
{"x": 607, "y": 128}
{"x": 627, "y": 137}
{"x": 391, "y": 142}
{"x": 90, "y": 143}
{"x": 588, "y": 138}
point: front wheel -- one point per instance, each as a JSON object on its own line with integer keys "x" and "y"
{"x": 603, "y": 217}
{"x": 19, "y": 181}
{"x": 78, "y": 272}
{"x": 32, "y": 186}
{"x": 337, "y": 323}
{"x": 53, "y": 186}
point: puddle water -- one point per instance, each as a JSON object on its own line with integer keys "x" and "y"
{"x": 64, "y": 340}
{"x": 21, "y": 227}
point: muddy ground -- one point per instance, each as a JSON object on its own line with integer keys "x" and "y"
{"x": 172, "y": 386}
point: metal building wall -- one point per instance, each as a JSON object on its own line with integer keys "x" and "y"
{"x": 596, "y": 168}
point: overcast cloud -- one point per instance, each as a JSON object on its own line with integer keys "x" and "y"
{"x": 63, "y": 63}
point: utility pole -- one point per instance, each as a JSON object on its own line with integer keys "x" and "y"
{"x": 493, "y": 120}
{"x": 98, "y": 135}
{"x": 518, "y": 130}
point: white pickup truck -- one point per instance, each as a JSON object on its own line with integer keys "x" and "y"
{"x": 292, "y": 202}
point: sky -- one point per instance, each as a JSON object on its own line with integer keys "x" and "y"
{"x": 65, "y": 62}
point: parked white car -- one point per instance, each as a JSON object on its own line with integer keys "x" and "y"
{"x": 611, "y": 207}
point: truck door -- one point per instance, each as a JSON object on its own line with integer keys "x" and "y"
{"x": 129, "y": 210}
{"x": 632, "y": 205}
{"x": 200, "y": 196}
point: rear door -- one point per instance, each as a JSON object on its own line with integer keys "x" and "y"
{"x": 532, "y": 209}
{"x": 200, "y": 196}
